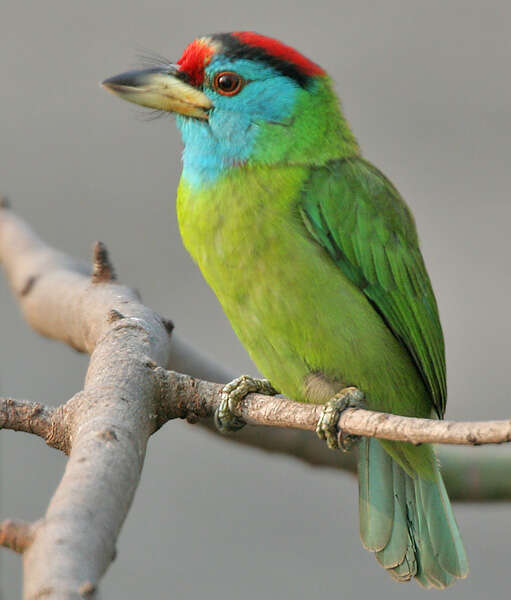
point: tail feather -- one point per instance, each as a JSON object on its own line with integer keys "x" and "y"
{"x": 443, "y": 528}
{"x": 393, "y": 554}
{"x": 376, "y": 504}
{"x": 408, "y": 521}
{"x": 434, "y": 575}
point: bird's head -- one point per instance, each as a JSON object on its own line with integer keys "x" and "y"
{"x": 243, "y": 98}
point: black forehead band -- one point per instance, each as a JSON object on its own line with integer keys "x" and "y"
{"x": 234, "y": 48}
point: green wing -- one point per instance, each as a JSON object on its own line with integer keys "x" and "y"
{"x": 357, "y": 215}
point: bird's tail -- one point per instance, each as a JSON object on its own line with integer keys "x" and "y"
{"x": 408, "y": 521}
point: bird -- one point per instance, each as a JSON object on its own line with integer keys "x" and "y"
{"x": 315, "y": 259}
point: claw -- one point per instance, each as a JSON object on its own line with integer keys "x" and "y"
{"x": 327, "y": 429}
{"x": 232, "y": 395}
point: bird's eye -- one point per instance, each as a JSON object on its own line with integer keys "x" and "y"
{"x": 228, "y": 83}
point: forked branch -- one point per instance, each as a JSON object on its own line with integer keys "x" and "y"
{"x": 128, "y": 395}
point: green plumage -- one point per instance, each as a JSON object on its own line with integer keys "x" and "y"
{"x": 315, "y": 259}
{"x": 317, "y": 265}
{"x": 356, "y": 214}
{"x": 319, "y": 271}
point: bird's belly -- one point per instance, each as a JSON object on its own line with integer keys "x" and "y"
{"x": 308, "y": 329}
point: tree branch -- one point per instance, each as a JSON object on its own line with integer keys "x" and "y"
{"x": 30, "y": 417}
{"x": 191, "y": 398}
{"x": 129, "y": 394}
{"x": 106, "y": 425}
{"x": 470, "y": 474}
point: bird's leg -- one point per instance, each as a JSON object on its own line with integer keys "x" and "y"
{"x": 327, "y": 424}
{"x": 232, "y": 395}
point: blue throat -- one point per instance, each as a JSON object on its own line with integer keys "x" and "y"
{"x": 206, "y": 156}
{"x": 235, "y": 123}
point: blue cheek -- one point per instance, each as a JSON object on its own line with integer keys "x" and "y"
{"x": 230, "y": 135}
{"x": 272, "y": 99}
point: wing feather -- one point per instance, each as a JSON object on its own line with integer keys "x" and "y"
{"x": 359, "y": 218}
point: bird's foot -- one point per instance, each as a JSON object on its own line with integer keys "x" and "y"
{"x": 232, "y": 395}
{"x": 327, "y": 424}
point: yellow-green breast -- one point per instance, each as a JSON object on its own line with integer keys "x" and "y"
{"x": 305, "y": 325}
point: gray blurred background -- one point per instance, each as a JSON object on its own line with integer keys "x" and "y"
{"x": 426, "y": 86}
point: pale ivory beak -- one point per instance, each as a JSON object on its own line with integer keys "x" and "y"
{"x": 162, "y": 88}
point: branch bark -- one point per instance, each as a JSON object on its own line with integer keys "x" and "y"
{"x": 129, "y": 394}
{"x": 31, "y": 417}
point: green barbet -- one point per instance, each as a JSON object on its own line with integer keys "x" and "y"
{"x": 315, "y": 259}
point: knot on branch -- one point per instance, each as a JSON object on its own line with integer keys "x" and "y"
{"x": 164, "y": 391}
{"x": 57, "y": 433}
{"x": 87, "y": 590}
{"x": 103, "y": 271}
{"x": 177, "y": 398}
{"x": 27, "y": 287}
{"x": 168, "y": 324}
{"x": 114, "y": 315}
{"x": 16, "y": 535}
